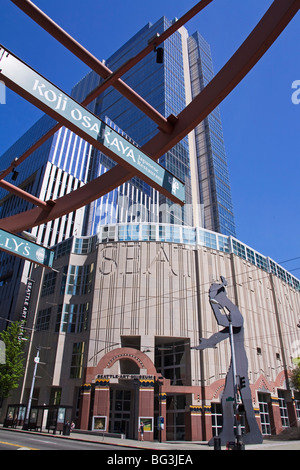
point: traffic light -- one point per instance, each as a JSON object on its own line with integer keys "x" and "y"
{"x": 241, "y": 408}
{"x": 242, "y": 382}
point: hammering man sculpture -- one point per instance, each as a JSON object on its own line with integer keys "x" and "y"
{"x": 237, "y": 376}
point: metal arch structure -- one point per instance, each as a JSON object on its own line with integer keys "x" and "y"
{"x": 170, "y": 130}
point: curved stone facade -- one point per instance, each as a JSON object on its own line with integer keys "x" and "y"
{"x": 121, "y": 326}
{"x": 155, "y": 294}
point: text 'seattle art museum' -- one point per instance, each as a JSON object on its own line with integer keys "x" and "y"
{"x": 120, "y": 315}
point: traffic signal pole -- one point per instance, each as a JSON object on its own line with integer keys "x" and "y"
{"x": 238, "y": 431}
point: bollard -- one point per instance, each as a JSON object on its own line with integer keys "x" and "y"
{"x": 217, "y": 443}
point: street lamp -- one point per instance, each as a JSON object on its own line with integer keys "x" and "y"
{"x": 160, "y": 423}
{"x": 36, "y": 362}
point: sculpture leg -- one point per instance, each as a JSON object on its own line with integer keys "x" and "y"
{"x": 227, "y": 433}
{"x": 254, "y": 435}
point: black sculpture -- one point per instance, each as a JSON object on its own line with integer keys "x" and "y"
{"x": 232, "y": 321}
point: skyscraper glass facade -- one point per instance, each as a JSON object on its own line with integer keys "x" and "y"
{"x": 163, "y": 86}
{"x": 186, "y": 70}
{"x": 215, "y": 192}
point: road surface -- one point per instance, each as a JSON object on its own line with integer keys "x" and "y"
{"x": 15, "y": 440}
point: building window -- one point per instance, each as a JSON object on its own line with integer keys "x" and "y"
{"x": 264, "y": 413}
{"x": 64, "y": 247}
{"x": 43, "y": 320}
{"x": 63, "y": 280}
{"x": 49, "y": 283}
{"x": 80, "y": 279}
{"x": 297, "y": 404}
{"x": 58, "y": 317}
{"x": 84, "y": 246}
{"x": 77, "y": 361}
{"x": 172, "y": 360}
{"x": 216, "y": 418}
{"x": 55, "y": 396}
{"x": 283, "y": 409}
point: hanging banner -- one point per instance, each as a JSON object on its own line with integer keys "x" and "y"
{"x": 26, "y": 304}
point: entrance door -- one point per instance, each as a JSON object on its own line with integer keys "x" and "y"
{"x": 176, "y": 417}
{"x": 121, "y": 420}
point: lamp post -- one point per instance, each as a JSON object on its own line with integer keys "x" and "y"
{"x": 159, "y": 381}
{"x": 36, "y": 362}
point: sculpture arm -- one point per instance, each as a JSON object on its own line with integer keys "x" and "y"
{"x": 211, "y": 342}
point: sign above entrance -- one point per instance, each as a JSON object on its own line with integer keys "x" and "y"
{"x": 23, "y": 248}
{"x": 36, "y": 89}
{"x": 126, "y": 376}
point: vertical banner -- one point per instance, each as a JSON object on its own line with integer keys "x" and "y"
{"x": 26, "y": 304}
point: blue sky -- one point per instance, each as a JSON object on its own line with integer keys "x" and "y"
{"x": 261, "y": 124}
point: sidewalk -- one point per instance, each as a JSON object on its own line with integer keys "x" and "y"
{"x": 140, "y": 445}
{"x": 170, "y": 446}
{"x": 177, "y": 446}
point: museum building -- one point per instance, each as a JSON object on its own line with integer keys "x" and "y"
{"x": 120, "y": 312}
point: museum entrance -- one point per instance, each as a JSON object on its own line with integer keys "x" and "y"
{"x": 124, "y": 403}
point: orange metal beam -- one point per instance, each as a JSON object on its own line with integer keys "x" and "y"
{"x": 91, "y": 61}
{"x": 113, "y": 77}
{"x": 27, "y": 196}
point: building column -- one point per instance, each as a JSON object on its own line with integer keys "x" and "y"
{"x": 146, "y": 406}
{"x": 163, "y": 413}
{"x": 85, "y": 403}
{"x": 257, "y": 417}
{"x": 292, "y": 414}
{"x": 275, "y": 419}
{"x": 206, "y": 417}
{"x": 194, "y": 431}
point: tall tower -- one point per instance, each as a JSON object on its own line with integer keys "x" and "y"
{"x": 199, "y": 160}
{"x": 66, "y": 161}
{"x": 214, "y": 185}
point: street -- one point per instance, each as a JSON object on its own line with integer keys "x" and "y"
{"x": 15, "y": 440}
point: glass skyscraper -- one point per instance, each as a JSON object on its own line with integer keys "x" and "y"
{"x": 199, "y": 159}
{"x": 66, "y": 161}
{"x": 213, "y": 176}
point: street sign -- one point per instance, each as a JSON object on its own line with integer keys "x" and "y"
{"x": 22, "y": 248}
{"x": 36, "y": 89}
